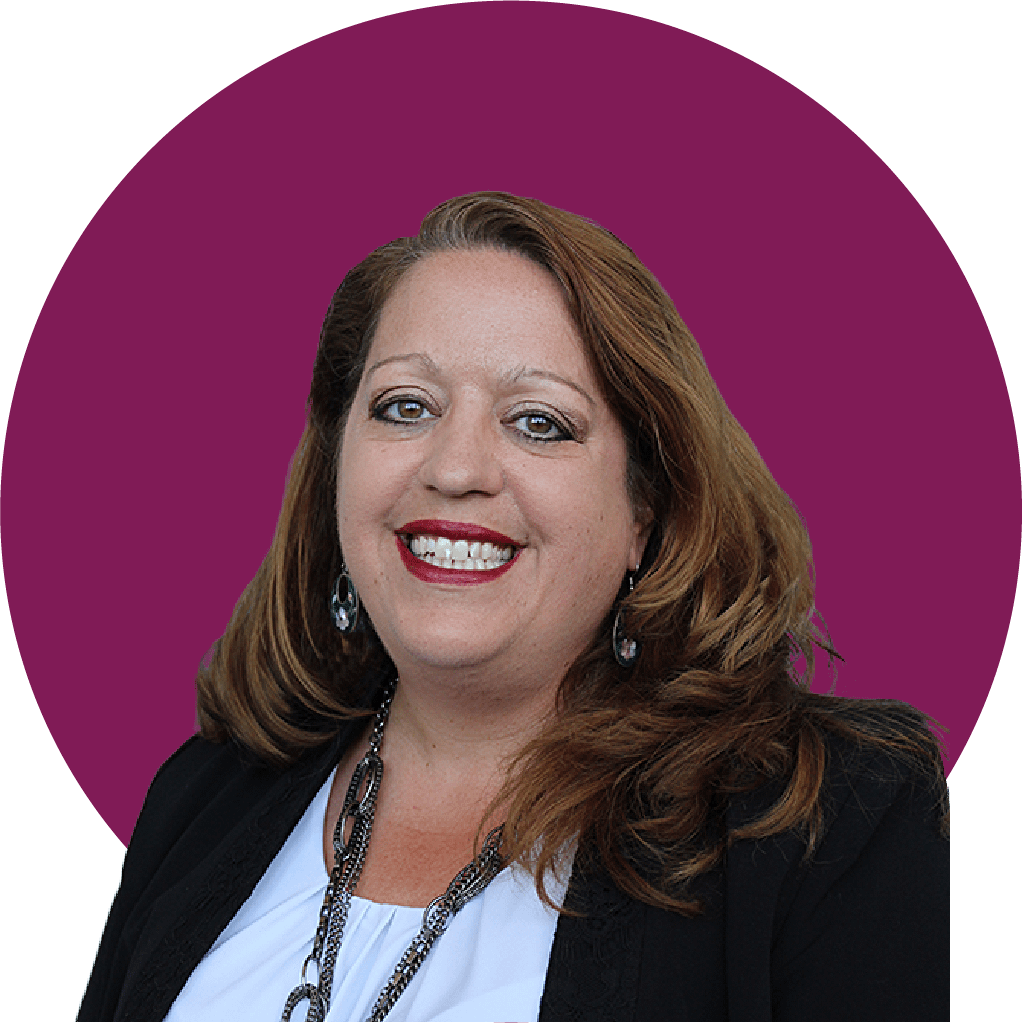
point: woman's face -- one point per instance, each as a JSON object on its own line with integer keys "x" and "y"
{"x": 481, "y": 504}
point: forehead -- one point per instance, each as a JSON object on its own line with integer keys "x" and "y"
{"x": 487, "y": 307}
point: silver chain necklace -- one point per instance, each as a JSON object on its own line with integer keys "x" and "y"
{"x": 349, "y": 859}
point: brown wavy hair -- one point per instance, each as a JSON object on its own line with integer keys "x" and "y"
{"x": 638, "y": 763}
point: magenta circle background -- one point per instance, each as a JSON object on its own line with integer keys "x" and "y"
{"x": 162, "y": 393}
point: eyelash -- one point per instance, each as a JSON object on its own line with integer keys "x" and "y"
{"x": 566, "y": 433}
{"x": 380, "y": 410}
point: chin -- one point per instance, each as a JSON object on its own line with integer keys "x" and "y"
{"x": 440, "y": 649}
{"x": 445, "y": 660}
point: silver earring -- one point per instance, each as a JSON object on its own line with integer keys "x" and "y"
{"x": 344, "y": 612}
{"x": 626, "y": 649}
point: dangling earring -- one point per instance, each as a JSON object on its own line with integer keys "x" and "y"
{"x": 344, "y": 612}
{"x": 626, "y": 650}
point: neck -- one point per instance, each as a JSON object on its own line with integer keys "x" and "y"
{"x": 445, "y": 720}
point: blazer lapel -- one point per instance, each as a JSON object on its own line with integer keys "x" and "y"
{"x": 596, "y": 956}
{"x": 180, "y": 926}
{"x": 755, "y": 871}
{"x": 624, "y": 960}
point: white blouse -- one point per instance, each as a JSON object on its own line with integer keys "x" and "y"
{"x": 490, "y": 964}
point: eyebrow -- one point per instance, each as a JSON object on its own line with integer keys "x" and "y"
{"x": 509, "y": 379}
{"x": 420, "y": 357}
{"x": 544, "y": 374}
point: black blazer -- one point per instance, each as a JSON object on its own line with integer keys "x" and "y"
{"x": 859, "y": 933}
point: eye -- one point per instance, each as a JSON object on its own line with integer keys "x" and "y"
{"x": 541, "y": 427}
{"x": 402, "y": 410}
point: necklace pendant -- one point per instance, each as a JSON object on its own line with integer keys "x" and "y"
{"x": 359, "y": 808}
{"x": 359, "y": 803}
{"x": 364, "y": 786}
{"x": 318, "y": 1008}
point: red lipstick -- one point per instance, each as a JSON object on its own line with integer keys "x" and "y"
{"x": 457, "y": 531}
{"x": 430, "y": 573}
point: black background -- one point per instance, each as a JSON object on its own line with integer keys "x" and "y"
{"x": 89, "y": 102}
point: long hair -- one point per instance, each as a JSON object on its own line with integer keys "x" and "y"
{"x": 638, "y": 763}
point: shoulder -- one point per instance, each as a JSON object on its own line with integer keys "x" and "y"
{"x": 212, "y": 821}
{"x": 191, "y": 777}
{"x": 875, "y": 758}
{"x": 201, "y": 792}
{"x": 882, "y": 789}
{"x": 885, "y": 823}
{"x": 890, "y": 792}
{"x": 874, "y": 775}
{"x": 200, "y": 801}
{"x": 206, "y": 789}
{"x": 862, "y": 920}
{"x": 192, "y": 774}
{"x": 180, "y": 777}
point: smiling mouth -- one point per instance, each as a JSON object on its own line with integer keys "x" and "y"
{"x": 458, "y": 555}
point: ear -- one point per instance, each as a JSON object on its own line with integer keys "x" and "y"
{"x": 643, "y": 526}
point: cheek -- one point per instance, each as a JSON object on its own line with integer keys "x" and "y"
{"x": 356, "y": 495}
{"x": 585, "y": 520}
{"x": 371, "y": 480}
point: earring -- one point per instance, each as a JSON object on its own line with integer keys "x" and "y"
{"x": 344, "y": 612}
{"x": 626, "y": 651}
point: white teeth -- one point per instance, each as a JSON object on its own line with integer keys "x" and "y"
{"x": 459, "y": 554}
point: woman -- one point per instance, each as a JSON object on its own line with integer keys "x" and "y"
{"x": 529, "y": 562}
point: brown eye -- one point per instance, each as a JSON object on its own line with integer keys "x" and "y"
{"x": 402, "y": 410}
{"x": 541, "y": 428}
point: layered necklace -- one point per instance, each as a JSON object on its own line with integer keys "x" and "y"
{"x": 349, "y": 858}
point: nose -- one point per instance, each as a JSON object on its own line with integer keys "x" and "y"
{"x": 462, "y": 455}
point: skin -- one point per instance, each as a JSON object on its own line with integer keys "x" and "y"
{"x": 478, "y": 405}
